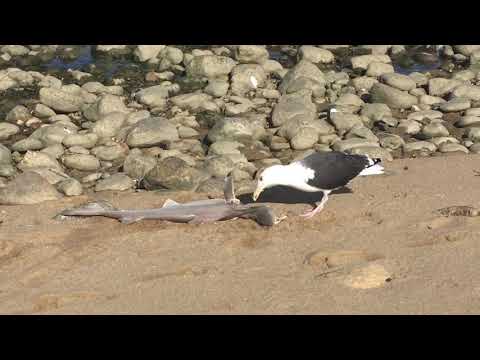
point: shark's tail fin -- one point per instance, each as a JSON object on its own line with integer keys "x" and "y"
{"x": 90, "y": 209}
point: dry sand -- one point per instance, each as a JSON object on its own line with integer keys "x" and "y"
{"x": 380, "y": 249}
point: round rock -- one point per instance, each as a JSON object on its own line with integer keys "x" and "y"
{"x": 174, "y": 174}
{"x": 368, "y": 277}
{"x": 373, "y": 152}
{"x": 468, "y": 120}
{"x": 419, "y": 146}
{"x": 82, "y": 162}
{"x": 455, "y": 105}
{"x": 448, "y": 147}
{"x": 434, "y": 129}
{"x": 115, "y": 182}
{"x": 70, "y": 187}
{"x": 394, "y": 98}
{"x": 28, "y": 188}
{"x": 377, "y": 69}
{"x": 7, "y": 130}
{"x": 399, "y": 81}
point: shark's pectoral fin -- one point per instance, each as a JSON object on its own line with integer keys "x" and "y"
{"x": 170, "y": 203}
{"x": 130, "y": 219}
{"x": 196, "y": 220}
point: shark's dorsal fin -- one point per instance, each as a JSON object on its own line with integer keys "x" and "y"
{"x": 229, "y": 190}
{"x": 170, "y": 203}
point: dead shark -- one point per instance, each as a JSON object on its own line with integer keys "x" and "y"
{"x": 194, "y": 212}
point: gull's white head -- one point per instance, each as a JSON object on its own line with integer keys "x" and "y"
{"x": 271, "y": 176}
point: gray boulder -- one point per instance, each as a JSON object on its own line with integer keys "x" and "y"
{"x": 110, "y": 152}
{"x": 106, "y": 104}
{"x": 390, "y": 141}
{"x": 315, "y": 54}
{"x": 434, "y": 129}
{"x": 192, "y": 102}
{"x": 409, "y": 127}
{"x": 304, "y": 139}
{"x": 146, "y": 52}
{"x": 60, "y": 100}
{"x": 419, "y": 146}
{"x": 238, "y": 128}
{"x": 251, "y": 54}
{"x": 304, "y": 75}
{"x": 152, "y": 131}
{"x": 348, "y": 144}
{"x": 34, "y": 159}
{"x": 363, "y": 61}
{"x": 109, "y": 125}
{"x": 217, "y": 88}
{"x": 219, "y": 166}
{"x": 399, "y": 81}
{"x": 27, "y": 144}
{"x": 70, "y": 187}
{"x": 441, "y": 87}
{"x": 18, "y": 113}
{"x": 466, "y": 50}
{"x": 293, "y": 105}
{"x": 360, "y": 131}
{"x": 7, "y": 130}
{"x": 210, "y": 66}
{"x": 115, "y": 182}
{"x": 5, "y": 154}
{"x": 174, "y": 174}
{"x": 470, "y": 92}
{"x": 137, "y": 165}
{"x": 448, "y": 147}
{"x": 349, "y": 100}
{"x": 247, "y": 77}
{"x": 376, "y": 111}
{"x": 319, "y": 127}
{"x": 473, "y": 134}
{"x": 377, "y": 69}
{"x": 468, "y": 120}
{"x": 153, "y": 96}
{"x": 394, "y": 98}
{"x": 85, "y": 140}
{"x": 374, "y": 152}
{"x": 28, "y": 188}
{"x": 343, "y": 122}
{"x": 55, "y": 151}
{"x": 82, "y": 162}
{"x": 455, "y": 105}
{"x": 425, "y": 116}
{"x": 52, "y": 134}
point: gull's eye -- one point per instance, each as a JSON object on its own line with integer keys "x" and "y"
{"x": 261, "y": 178}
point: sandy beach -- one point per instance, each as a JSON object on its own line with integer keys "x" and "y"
{"x": 378, "y": 249}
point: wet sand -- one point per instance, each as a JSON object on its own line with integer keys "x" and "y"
{"x": 378, "y": 249}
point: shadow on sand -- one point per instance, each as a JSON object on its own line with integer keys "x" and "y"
{"x": 286, "y": 195}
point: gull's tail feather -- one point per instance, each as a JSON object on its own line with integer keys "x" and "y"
{"x": 374, "y": 168}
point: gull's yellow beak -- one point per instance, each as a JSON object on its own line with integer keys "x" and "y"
{"x": 257, "y": 193}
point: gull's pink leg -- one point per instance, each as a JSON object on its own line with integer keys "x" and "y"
{"x": 319, "y": 208}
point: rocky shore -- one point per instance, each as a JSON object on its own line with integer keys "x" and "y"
{"x": 175, "y": 117}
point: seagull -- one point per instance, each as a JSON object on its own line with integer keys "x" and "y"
{"x": 318, "y": 172}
